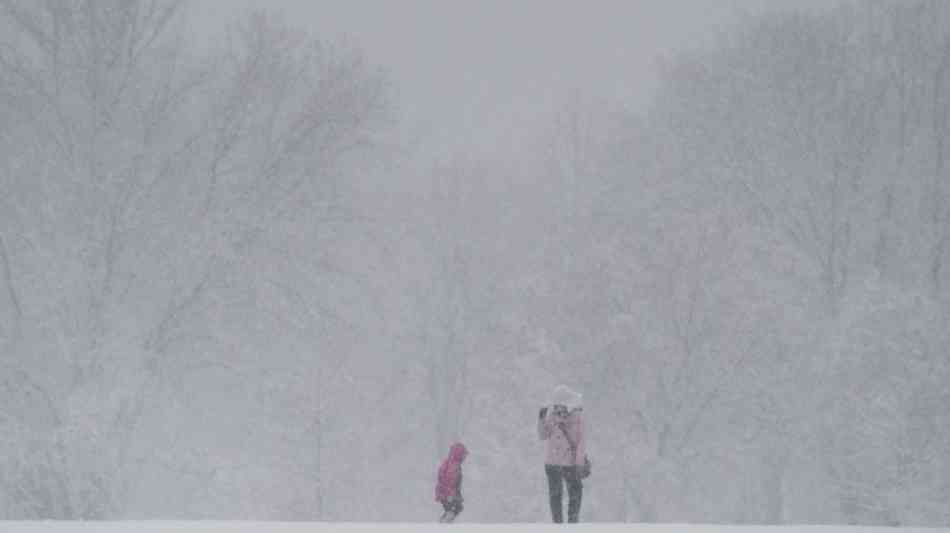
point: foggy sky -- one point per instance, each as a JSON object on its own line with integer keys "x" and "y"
{"x": 483, "y": 75}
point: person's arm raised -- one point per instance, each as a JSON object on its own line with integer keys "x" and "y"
{"x": 544, "y": 424}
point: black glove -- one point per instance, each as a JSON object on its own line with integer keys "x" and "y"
{"x": 542, "y": 412}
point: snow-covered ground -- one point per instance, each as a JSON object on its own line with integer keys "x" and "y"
{"x": 319, "y": 527}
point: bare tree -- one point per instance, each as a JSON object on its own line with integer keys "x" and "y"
{"x": 148, "y": 187}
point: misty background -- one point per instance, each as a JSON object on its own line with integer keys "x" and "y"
{"x": 267, "y": 261}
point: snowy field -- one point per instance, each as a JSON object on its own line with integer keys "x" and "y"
{"x": 317, "y": 527}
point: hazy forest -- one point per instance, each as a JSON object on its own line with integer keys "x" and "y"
{"x": 233, "y": 285}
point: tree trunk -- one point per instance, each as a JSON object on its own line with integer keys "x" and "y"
{"x": 773, "y": 481}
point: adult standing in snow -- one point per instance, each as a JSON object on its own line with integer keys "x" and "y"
{"x": 560, "y": 424}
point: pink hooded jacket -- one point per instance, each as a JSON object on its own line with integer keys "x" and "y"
{"x": 449, "y": 481}
{"x": 558, "y": 446}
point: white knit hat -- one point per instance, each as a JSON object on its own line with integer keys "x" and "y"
{"x": 563, "y": 395}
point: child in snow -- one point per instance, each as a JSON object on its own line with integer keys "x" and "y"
{"x": 448, "y": 488}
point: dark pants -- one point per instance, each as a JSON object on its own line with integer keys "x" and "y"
{"x": 557, "y": 476}
{"x": 453, "y": 508}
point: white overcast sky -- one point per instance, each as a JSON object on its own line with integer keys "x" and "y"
{"x": 476, "y": 72}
